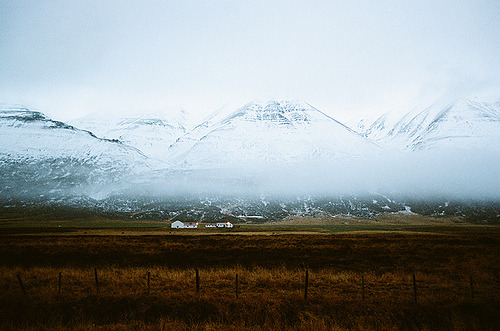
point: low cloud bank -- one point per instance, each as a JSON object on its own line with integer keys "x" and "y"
{"x": 464, "y": 175}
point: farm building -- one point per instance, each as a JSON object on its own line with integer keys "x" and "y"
{"x": 219, "y": 225}
{"x": 182, "y": 225}
{"x": 225, "y": 225}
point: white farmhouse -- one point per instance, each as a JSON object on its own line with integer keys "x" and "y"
{"x": 181, "y": 225}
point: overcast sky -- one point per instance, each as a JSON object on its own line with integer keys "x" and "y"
{"x": 347, "y": 58}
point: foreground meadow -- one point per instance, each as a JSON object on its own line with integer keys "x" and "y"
{"x": 253, "y": 280}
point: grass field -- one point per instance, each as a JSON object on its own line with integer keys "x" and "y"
{"x": 360, "y": 275}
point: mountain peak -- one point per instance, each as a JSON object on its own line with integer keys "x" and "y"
{"x": 20, "y": 113}
{"x": 277, "y": 105}
{"x": 285, "y": 112}
{"x": 268, "y": 132}
{"x": 464, "y": 123}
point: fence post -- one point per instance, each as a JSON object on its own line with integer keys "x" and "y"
{"x": 59, "y": 285}
{"x": 414, "y": 288}
{"x": 471, "y": 287}
{"x": 197, "y": 281}
{"x": 96, "y": 280}
{"x": 306, "y": 284}
{"x": 149, "y": 275}
{"x": 363, "y": 287}
{"x": 20, "y": 281}
{"x": 236, "y": 286}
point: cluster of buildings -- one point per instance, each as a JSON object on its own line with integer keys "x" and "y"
{"x": 191, "y": 225}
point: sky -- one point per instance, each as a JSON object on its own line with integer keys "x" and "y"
{"x": 346, "y": 58}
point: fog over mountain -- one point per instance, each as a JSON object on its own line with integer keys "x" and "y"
{"x": 275, "y": 150}
{"x": 71, "y": 59}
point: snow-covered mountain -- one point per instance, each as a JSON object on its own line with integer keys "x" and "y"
{"x": 465, "y": 124}
{"x": 268, "y": 133}
{"x": 53, "y": 163}
{"x": 152, "y": 134}
{"x": 36, "y": 151}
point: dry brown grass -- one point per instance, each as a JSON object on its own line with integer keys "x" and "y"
{"x": 42, "y": 283}
{"x": 268, "y": 299}
{"x": 401, "y": 218}
{"x": 271, "y": 272}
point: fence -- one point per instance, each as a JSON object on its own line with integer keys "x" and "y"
{"x": 239, "y": 282}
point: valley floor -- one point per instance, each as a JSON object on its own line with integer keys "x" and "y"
{"x": 115, "y": 274}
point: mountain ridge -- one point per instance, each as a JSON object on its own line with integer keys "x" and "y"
{"x": 452, "y": 125}
{"x": 270, "y": 131}
{"x": 150, "y": 133}
{"x": 39, "y": 154}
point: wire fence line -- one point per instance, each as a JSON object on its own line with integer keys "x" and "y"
{"x": 238, "y": 283}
